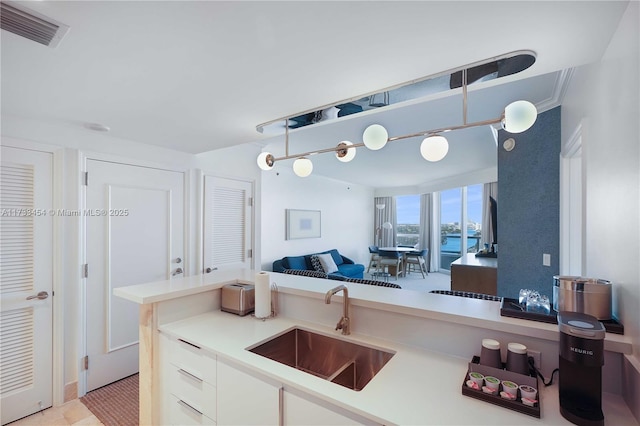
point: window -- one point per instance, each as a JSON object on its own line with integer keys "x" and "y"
{"x": 460, "y": 223}
{"x": 450, "y": 230}
{"x": 474, "y": 218}
{"x": 408, "y": 219}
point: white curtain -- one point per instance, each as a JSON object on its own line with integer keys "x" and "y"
{"x": 426, "y": 219}
{"x": 489, "y": 190}
{"x": 385, "y": 237}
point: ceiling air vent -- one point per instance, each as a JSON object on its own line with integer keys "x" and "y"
{"x": 32, "y": 25}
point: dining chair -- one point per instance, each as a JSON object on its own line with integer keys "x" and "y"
{"x": 390, "y": 258}
{"x": 417, "y": 258}
{"x": 374, "y": 258}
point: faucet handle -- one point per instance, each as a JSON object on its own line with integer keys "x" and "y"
{"x": 343, "y": 325}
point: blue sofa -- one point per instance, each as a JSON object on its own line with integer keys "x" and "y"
{"x": 346, "y": 267}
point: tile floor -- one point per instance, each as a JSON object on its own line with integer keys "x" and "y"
{"x": 71, "y": 413}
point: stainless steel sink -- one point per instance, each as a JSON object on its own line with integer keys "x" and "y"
{"x": 341, "y": 362}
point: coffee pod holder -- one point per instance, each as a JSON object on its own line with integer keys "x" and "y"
{"x": 520, "y": 379}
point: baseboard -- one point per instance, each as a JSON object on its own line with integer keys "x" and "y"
{"x": 70, "y": 391}
{"x": 631, "y": 384}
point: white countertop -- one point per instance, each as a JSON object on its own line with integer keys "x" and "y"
{"x": 415, "y": 387}
{"x": 159, "y": 291}
{"x": 465, "y": 311}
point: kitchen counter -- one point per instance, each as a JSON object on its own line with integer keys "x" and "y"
{"x": 415, "y": 387}
{"x": 459, "y": 310}
{"x": 422, "y": 382}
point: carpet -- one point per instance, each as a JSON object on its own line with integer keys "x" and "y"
{"x": 115, "y": 404}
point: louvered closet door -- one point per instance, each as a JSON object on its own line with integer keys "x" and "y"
{"x": 26, "y": 269}
{"x": 228, "y": 216}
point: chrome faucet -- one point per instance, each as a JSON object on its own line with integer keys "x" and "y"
{"x": 343, "y": 324}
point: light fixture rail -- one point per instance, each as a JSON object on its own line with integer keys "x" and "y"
{"x": 517, "y": 117}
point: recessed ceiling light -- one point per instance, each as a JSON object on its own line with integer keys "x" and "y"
{"x": 97, "y": 127}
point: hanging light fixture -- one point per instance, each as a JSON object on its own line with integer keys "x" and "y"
{"x": 517, "y": 117}
{"x": 344, "y": 153}
{"x": 265, "y": 161}
{"x": 375, "y": 137}
{"x": 302, "y": 167}
{"x": 434, "y": 148}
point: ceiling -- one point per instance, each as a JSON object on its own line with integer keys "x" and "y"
{"x": 196, "y": 76}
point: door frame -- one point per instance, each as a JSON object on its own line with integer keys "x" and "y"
{"x": 572, "y": 151}
{"x": 83, "y": 157}
{"x": 199, "y": 176}
{"x": 58, "y": 329}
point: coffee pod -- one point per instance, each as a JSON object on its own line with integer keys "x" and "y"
{"x": 517, "y": 358}
{"x": 490, "y": 354}
{"x": 477, "y": 378}
{"x": 492, "y": 383}
{"x": 510, "y": 388}
{"x": 528, "y": 392}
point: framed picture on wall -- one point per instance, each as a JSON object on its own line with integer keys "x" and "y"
{"x": 303, "y": 224}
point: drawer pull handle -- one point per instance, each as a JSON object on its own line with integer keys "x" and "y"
{"x": 184, "y": 404}
{"x": 189, "y": 375}
{"x": 190, "y": 344}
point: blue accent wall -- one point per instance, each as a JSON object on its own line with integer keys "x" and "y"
{"x": 529, "y": 207}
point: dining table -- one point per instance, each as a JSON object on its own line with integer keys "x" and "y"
{"x": 404, "y": 251}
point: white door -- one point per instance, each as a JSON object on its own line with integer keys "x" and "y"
{"x": 26, "y": 269}
{"x": 134, "y": 234}
{"x": 228, "y": 218}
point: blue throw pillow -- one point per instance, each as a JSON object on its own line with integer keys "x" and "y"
{"x": 336, "y": 257}
{"x": 296, "y": 262}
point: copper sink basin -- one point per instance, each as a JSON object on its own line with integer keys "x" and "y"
{"x": 345, "y": 363}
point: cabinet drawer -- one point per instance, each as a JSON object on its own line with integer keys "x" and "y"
{"x": 192, "y": 390}
{"x": 181, "y": 412}
{"x": 192, "y": 359}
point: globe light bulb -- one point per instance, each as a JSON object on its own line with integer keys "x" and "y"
{"x": 345, "y": 154}
{"x": 434, "y": 148}
{"x": 265, "y": 161}
{"x": 302, "y": 167}
{"x": 519, "y": 116}
{"x": 375, "y": 137}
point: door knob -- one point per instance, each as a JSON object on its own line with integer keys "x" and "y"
{"x": 208, "y": 270}
{"x": 178, "y": 271}
{"x": 40, "y": 296}
{"x": 179, "y": 260}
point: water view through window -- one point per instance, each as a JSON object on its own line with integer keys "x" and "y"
{"x": 452, "y": 219}
{"x": 408, "y": 217}
{"x": 452, "y": 216}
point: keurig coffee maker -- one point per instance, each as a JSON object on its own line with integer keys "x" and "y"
{"x": 581, "y": 361}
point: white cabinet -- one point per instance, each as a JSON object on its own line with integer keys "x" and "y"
{"x": 188, "y": 383}
{"x": 198, "y": 389}
{"x": 244, "y": 399}
{"x": 299, "y": 410}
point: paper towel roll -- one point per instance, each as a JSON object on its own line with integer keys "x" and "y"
{"x": 263, "y": 295}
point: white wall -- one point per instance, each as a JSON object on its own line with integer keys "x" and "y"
{"x": 347, "y": 221}
{"x": 605, "y": 98}
{"x": 71, "y": 140}
{"x": 73, "y": 135}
